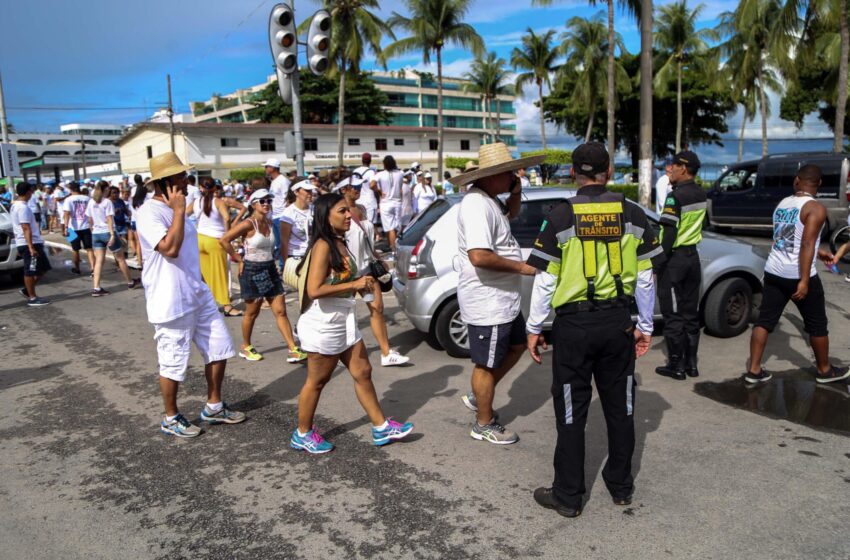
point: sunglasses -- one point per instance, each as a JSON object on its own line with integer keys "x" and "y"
{"x": 264, "y": 201}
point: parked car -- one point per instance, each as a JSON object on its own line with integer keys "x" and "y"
{"x": 747, "y": 193}
{"x": 427, "y": 265}
{"x": 9, "y": 261}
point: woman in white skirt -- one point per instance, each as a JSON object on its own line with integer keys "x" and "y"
{"x": 328, "y": 328}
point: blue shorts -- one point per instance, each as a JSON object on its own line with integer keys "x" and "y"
{"x": 489, "y": 345}
{"x": 99, "y": 240}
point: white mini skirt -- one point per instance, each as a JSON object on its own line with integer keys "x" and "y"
{"x": 329, "y": 326}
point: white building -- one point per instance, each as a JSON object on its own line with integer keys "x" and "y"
{"x": 215, "y": 149}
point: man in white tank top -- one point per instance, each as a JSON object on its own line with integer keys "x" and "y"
{"x": 790, "y": 274}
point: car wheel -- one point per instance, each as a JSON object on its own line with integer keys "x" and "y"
{"x": 728, "y": 307}
{"x": 839, "y": 238}
{"x": 451, "y": 331}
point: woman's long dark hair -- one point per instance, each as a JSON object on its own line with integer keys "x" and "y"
{"x": 390, "y": 164}
{"x": 208, "y": 196}
{"x": 322, "y": 229}
{"x": 141, "y": 191}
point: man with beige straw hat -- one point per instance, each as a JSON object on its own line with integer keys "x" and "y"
{"x": 179, "y": 305}
{"x": 489, "y": 284}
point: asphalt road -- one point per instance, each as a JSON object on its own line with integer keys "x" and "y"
{"x": 86, "y": 473}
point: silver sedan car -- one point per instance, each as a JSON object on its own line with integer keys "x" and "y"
{"x": 427, "y": 265}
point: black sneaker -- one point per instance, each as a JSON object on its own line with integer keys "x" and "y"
{"x": 546, "y": 498}
{"x": 23, "y": 291}
{"x": 37, "y": 302}
{"x": 761, "y": 377}
{"x": 75, "y": 271}
{"x": 834, "y": 374}
{"x": 99, "y": 292}
{"x": 623, "y": 501}
{"x": 134, "y": 284}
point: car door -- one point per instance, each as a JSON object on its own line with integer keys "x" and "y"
{"x": 735, "y": 195}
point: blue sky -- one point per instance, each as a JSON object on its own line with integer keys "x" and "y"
{"x": 113, "y": 55}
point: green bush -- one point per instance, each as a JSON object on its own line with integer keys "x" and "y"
{"x": 247, "y": 174}
{"x": 630, "y": 191}
{"x": 458, "y": 162}
{"x": 554, "y": 159}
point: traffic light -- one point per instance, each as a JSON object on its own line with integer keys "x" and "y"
{"x": 284, "y": 86}
{"x": 283, "y": 38}
{"x": 319, "y": 42}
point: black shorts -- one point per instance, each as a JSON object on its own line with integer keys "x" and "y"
{"x": 83, "y": 240}
{"x": 42, "y": 263}
{"x": 777, "y": 293}
{"x": 260, "y": 280}
{"x": 488, "y": 345}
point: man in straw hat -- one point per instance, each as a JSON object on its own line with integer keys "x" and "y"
{"x": 489, "y": 285}
{"x": 179, "y": 305}
{"x": 594, "y": 257}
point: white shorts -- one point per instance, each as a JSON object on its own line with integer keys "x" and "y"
{"x": 205, "y": 327}
{"x": 391, "y": 216}
{"x": 371, "y": 213}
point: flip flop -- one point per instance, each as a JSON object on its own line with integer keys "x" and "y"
{"x": 232, "y": 312}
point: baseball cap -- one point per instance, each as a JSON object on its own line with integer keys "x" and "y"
{"x": 428, "y": 176}
{"x": 590, "y": 158}
{"x": 687, "y": 158}
{"x": 272, "y": 162}
{"x": 414, "y": 165}
{"x": 306, "y": 185}
{"x": 366, "y": 157}
{"x": 354, "y": 181}
{"x": 259, "y": 195}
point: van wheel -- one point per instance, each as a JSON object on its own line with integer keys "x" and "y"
{"x": 839, "y": 238}
{"x": 451, "y": 331}
{"x": 728, "y": 307}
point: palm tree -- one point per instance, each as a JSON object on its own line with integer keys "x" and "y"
{"x": 679, "y": 41}
{"x": 487, "y": 77}
{"x": 757, "y": 43}
{"x": 537, "y": 57}
{"x": 356, "y": 29}
{"x": 585, "y": 44}
{"x": 432, "y": 25}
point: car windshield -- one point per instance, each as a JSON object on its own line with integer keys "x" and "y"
{"x": 419, "y": 227}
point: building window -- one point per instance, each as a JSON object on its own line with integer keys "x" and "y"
{"x": 229, "y": 142}
{"x": 311, "y": 144}
{"x": 380, "y": 144}
{"x": 267, "y": 145}
{"x": 354, "y": 141}
{"x": 150, "y": 152}
{"x": 433, "y": 145}
{"x": 398, "y": 142}
{"x": 464, "y": 145}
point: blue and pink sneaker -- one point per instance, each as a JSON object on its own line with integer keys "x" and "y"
{"x": 393, "y": 431}
{"x": 311, "y": 442}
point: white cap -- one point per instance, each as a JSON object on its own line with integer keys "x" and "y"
{"x": 306, "y": 185}
{"x": 259, "y": 195}
{"x": 311, "y": 176}
{"x": 272, "y": 162}
{"x": 418, "y": 173}
{"x": 415, "y": 164}
{"x": 353, "y": 181}
{"x": 428, "y": 176}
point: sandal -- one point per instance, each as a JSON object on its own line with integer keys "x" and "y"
{"x": 230, "y": 311}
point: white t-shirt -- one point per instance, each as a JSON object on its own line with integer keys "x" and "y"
{"x": 299, "y": 236}
{"x": 448, "y": 188}
{"x": 35, "y": 201}
{"x": 367, "y": 195}
{"x": 192, "y": 192}
{"x": 390, "y": 184}
{"x": 524, "y": 182}
{"x": 173, "y": 287}
{"x": 662, "y": 187}
{"x": 486, "y": 297}
{"x": 21, "y": 214}
{"x": 97, "y": 214}
{"x": 423, "y": 197}
{"x": 279, "y": 188}
{"x": 76, "y": 205}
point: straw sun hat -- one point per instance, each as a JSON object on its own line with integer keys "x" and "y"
{"x": 494, "y": 159}
{"x": 166, "y": 165}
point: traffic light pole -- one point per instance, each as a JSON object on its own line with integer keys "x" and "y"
{"x": 296, "y": 124}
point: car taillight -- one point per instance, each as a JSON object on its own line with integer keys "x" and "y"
{"x": 413, "y": 264}
{"x": 847, "y": 187}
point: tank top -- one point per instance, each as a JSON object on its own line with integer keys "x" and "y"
{"x": 784, "y": 258}
{"x": 212, "y": 225}
{"x": 259, "y": 247}
{"x": 349, "y": 275}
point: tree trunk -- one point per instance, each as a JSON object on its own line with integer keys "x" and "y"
{"x": 763, "y": 108}
{"x": 498, "y": 120}
{"x": 612, "y": 91}
{"x": 490, "y": 119}
{"x": 841, "y": 105}
{"x": 542, "y": 126}
{"x": 678, "y": 107}
{"x": 645, "y": 163}
{"x": 341, "y": 117}
{"x": 590, "y": 123}
{"x": 741, "y": 139}
{"x": 439, "y": 112}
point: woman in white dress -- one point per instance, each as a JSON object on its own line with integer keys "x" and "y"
{"x": 424, "y": 194}
{"x": 328, "y": 328}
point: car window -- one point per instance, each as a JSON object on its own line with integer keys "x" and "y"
{"x": 780, "y": 175}
{"x": 417, "y": 230}
{"x": 531, "y": 215}
{"x": 739, "y": 180}
{"x": 831, "y": 170}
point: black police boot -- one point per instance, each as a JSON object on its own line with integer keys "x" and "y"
{"x": 675, "y": 367}
{"x": 691, "y": 359}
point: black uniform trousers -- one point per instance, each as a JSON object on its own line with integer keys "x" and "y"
{"x": 598, "y": 344}
{"x": 679, "y": 280}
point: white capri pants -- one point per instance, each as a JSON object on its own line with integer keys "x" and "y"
{"x": 391, "y": 216}
{"x": 205, "y": 327}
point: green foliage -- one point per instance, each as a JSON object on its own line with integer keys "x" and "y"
{"x": 247, "y": 174}
{"x": 319, "y": 101}
{"x": 433, "y": 25}
{"x": 459, "y": 162}
{"x": 554, "y": 159}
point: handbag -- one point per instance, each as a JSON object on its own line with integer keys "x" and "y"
{"x": 377, "y": 269}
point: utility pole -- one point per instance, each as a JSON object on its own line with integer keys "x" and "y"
{"x": 170, "y": 112}
{"x": 296, "y": 125}
{"x": 645, "y": 141}
{"x": 83, "y": 155}
{"x": 4, "y": 123}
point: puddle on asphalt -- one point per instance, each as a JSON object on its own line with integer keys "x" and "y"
{"x": 793, "y": 396}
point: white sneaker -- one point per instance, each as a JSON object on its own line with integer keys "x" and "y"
{"x": 393, "y": 359}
